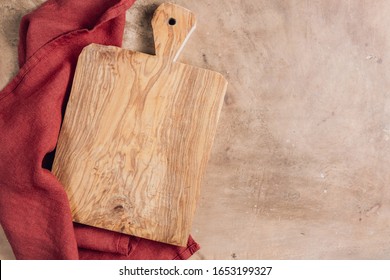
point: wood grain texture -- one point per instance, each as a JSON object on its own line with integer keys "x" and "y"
{"x": 137, "y": 135}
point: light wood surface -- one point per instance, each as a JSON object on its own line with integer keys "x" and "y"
{"x": 287, "y": 178}
{"x": 137, "y": 134}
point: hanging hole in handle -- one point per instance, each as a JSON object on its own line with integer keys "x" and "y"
{"x": 172, "y": 21}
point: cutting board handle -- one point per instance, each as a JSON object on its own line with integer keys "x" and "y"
{"x": 172, "y": 26}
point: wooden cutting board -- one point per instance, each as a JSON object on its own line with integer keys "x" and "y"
{"x": 137, "y": 134}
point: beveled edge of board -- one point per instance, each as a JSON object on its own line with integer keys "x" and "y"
{"x": 97, "y": 47}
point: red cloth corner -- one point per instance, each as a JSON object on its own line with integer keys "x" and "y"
{"x": 34, "y": 209}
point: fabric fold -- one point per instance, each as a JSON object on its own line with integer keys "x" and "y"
{"x": 146, "y": 250}
{"x": 104, "y": 241}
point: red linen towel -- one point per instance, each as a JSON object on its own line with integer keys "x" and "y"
{"x": 34, "y": 209}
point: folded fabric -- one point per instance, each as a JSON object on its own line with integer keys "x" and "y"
{"x": 34, "y": 209}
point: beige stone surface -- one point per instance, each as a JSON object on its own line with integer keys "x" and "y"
{"x": 300, "y": 165}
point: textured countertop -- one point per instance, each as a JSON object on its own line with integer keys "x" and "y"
{"x": 300, "y": 167}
